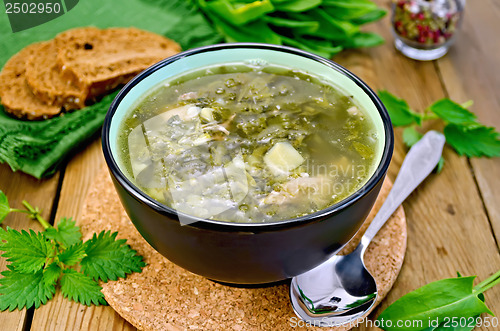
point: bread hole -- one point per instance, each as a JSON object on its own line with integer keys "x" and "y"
{"x": 88, "y": 46}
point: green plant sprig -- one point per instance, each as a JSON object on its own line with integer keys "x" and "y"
{"x": 463, "y": 132}
{"x": 39, "y": 261}
{"x": 436, "y": 301}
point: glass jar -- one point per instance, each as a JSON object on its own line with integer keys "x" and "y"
{"x": 425, "y": 29}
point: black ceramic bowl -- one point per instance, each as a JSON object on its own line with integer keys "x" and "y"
{"x": 245, "y": 253}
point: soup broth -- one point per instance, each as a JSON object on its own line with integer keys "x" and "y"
{"x": 242, "y": 143}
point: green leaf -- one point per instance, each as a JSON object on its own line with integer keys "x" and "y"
{"x": 19, "y": 290}
{"x": 468, "y": 321}
{"x": 319, "y": 47}
{"x": 363, "y": 39}
{"x": 73, "y": 254}
{"x": 372, "y": 16}
{"x": 453, "y": 297}
{"x": 470, "y": 326}
{"x": 67, "y": 232}
{"x": 398, "y": 109}
{"x": 257, "y": 31}
{"x": 4, "y": 206}
{"x": 411, "y": 136}
{"x": 108, "y": 258}
{"x": 331, "y": 27}
{"x": 452, "y": 112}
{"x": 473, "y": 141}
{"x": 440, "y": 165}
{"x": 348, "y": 9}
{"x": 295, "y": 5}
{"x": 467, "y": 103}
{"x": 52, "y": 273}
{"x": 27, "y": 252}
{"x": 302, "y": 27}
{"x": 80, "y": 288}
{"x": 238, "y": 13}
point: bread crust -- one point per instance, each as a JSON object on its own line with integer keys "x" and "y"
{"x": 15, "y": 94}
{"x": 46, "y": 82}
{"x": 100, "y": 60}
{"x": 77, "y": 67}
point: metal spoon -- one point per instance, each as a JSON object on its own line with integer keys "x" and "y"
{"x": 341, "y": 290}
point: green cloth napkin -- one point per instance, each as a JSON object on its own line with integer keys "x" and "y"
{"x": 38, "y": 148}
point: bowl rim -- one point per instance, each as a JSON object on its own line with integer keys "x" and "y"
{"x": 143, "y": 198}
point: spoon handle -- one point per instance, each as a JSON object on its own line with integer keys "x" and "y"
{"x": 421, "y": 159}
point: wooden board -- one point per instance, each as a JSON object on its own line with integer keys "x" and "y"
{"x": 447, "y": 221}
{"x": 60, "y": 313}
{"x": 471, "y": 71}
{"x": 165, "y": 296}
{"x": 450, "y": 217}
{"x": 39, "y": 193}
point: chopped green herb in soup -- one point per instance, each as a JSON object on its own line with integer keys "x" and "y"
{"x": 244, "y": 144}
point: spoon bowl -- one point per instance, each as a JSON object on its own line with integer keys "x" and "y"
{"x": 351, "y": 290}
{"x": 341, "y": 290}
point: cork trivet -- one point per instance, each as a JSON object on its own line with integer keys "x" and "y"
{"x": 167, "y": 297}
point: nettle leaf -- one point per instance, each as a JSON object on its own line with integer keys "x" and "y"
{"x": 411, "y": 136}
{"x": 108, "y": 258}
{"x": 27, "y": 252}
{"x": 398, "y": 109}
{"x": 73, "y": 254}
{"x": 80, "y": 288}
{"x": 4, "y": 206}
{"x": 51, "y": 273}
{"x": 66, "y": 232}
{"x": 19, "y": 290}
{"x": 473, "y": 141}
{"x": 439, "y": 299}
{"x": 452, "y": 112}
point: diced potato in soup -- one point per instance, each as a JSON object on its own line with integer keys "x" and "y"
{"x": 282, "y": 158}
{"x": 238, "y": 143}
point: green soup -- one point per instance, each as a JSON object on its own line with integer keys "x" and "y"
{"x": 248, "y": 144}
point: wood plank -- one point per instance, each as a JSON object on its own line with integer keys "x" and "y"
{"x": 449, "y": 230}
{"x": 448, "y": 227}
{"x": 60, "y": 313}
{"x": 39, "y": 193}
{"x": 471, "y": 70}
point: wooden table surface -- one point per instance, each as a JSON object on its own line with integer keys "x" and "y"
{"x": 453, "y": 218}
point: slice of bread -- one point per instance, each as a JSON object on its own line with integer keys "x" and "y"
{"x": 76, "y": 67}
{"x": 46, "y": 82}
{"x": 99, "y": 60}
{"x": 15, "y": 94}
